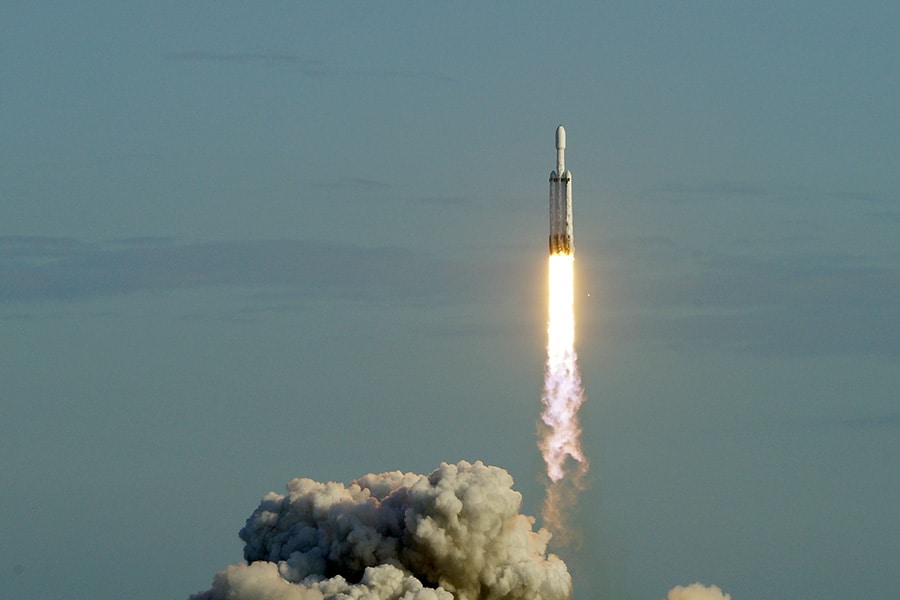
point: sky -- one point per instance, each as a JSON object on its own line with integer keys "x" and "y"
{"x": 241, "y": 243}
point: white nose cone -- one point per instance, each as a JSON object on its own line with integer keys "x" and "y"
{"x": 560, "y": 138}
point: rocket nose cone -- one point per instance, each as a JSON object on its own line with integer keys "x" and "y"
{"x": 560, "y": 137}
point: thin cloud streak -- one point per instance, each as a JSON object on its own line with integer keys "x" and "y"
{"x": 719, "y": 188}
{"x": 313, "y": 68}
{"x": 812, "y": 304}
{"x": 684, "y": 191}
{"x": 887, "y": 421}
{"x": 354, "y": 183}
{"x": 62, "y": 269}
{"x": 444, "y": 201}
{"x": 244, "y": 57}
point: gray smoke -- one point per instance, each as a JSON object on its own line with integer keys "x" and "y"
{"x": 453, "y": 534}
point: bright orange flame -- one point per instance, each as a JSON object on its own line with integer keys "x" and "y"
{"x": 562, "y": 385}
{"x": 561, "y": 317}
{"x": 562, "y": 397}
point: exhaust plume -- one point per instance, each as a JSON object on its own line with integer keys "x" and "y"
{"x": 453, "y": 534}
{"x": 559, "y": 429}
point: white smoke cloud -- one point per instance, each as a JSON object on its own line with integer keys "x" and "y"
{"x": 453, "y": 534}
{"x": 697, "y": 591}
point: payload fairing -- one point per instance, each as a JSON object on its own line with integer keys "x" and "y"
{"x": 561, "y": 200}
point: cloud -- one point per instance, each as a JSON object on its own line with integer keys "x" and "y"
{"x": 313, "y": 68}
{"x": 354, "y": 183}
{"x": 650, "y": 289}
{"x": 697, "y": 591}
{"x": 857, "y": 197}
{"x": 244, "y": 57}
{"x": 885, "y": 421}
{"x": 400, "y": 74}
{"x": 739, "y": 189}
{"x": 745, "y": 190}
{"x": 886, "y": 215}
{"x": 455, "y": 533}
{"x": 36, "y": 247}
{"x": 38, "y": 269}
{"x": 445, "y": 201}
{"x": 809, "y": 304}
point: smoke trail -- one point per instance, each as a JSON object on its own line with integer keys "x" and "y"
{"x": 453, "y": 534}
{"x": 559, "y": 430}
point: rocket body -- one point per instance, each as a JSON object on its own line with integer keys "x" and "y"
{"x": 561, "y": 200}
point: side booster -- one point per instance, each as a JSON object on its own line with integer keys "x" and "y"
{"x": 561, "y": 200}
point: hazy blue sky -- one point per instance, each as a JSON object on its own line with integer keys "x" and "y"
{"x": 243, "y": 242}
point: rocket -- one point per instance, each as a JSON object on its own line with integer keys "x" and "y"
{"x": 561, "y": 200}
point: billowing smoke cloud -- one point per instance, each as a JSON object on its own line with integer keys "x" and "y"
{"x": 453, "y": 534}
{"x": 697, "y": 591}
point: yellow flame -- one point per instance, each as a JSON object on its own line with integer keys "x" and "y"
{"x": 561, "y": 399}
{"x": 561, "y": 317}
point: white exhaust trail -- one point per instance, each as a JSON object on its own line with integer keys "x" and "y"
{"x": 559, "y": 430}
